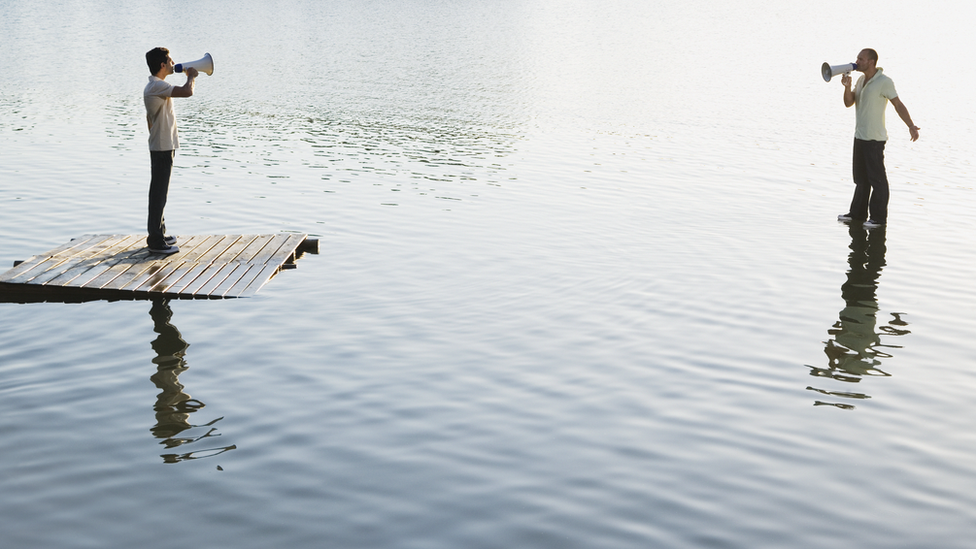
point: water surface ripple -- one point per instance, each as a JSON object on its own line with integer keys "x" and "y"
{"x": 580, "y": 283}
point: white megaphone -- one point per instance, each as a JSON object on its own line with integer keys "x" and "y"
{"x": 204, "y": 64}
{"x": 830, "y": 71}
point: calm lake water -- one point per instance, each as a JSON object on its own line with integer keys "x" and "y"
{"x": 580, "y": 281}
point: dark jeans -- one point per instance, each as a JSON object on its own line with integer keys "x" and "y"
{"x": 870, "y": 180}
{"x": 162, "y": 167}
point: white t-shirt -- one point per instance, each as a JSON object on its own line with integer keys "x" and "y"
{"x": 162, "y": 118}
{"x": 870, "y": 103}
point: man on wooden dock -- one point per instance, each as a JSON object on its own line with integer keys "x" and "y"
{"x": 163, "y": 141}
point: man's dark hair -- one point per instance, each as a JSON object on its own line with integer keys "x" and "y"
{"x": 872, "y": 55}
{"x": 156, "y": 57}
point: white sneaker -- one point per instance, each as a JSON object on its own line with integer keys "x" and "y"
{"x": 872, "y": 224}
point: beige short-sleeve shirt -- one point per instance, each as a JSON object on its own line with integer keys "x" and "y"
{"x": 161, "y": 116}
{"x": 870, "y": 103}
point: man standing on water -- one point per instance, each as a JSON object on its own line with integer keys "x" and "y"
{"x": 163, "y": 141}
{"x": 870, "y": 97}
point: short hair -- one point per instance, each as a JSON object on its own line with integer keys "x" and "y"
{"x": 872, "y": 55}
{"x": 156, "y": 57}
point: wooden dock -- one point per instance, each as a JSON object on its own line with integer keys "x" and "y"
{"x": 116, "y": 267}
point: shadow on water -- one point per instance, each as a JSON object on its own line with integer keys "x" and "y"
{"x": 173, "y": 406}
{"x": 855, "y": 350}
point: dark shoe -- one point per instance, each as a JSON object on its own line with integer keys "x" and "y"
{"x": 165, "y": 251}
{"x": 872, "y": 224}
{"x": 170, "y": 240}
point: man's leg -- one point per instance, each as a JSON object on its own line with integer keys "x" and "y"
{"x": 162, "y": 168}
{"x": 862, "y": 184}
{"x": 878, "y": 178}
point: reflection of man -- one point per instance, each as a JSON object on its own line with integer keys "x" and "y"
{"x": 173, "y": 407}
{"x": 163, "y": 141}
{"x": 855, "y": 331}
{"x": 870, "y": 98}
{"x": 855, "y": 349}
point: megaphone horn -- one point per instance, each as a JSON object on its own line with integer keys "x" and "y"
{"x": 205, "y": 64}
{"x": 830, "y": 71}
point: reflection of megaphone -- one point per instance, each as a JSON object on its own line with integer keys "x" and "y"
{"x": 203, "y": 65}
{"x": 830, "y": 71}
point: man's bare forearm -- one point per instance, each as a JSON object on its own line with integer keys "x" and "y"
{"x": 902, "y": 111}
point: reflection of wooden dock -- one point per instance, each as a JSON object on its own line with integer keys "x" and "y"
{"x": 121, "y": 267}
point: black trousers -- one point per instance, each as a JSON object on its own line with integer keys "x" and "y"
{"x": 162, "y": 168}
{"x": 870, "y": 181}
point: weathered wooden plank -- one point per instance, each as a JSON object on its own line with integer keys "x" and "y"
{"x": 214, "y": 254}
{"x": 204, "y": 266}
{"x": 272, "y": 256}
{"x": 180, "y": 272}
{"x": 181, "y": 263}
{"x": 287, "y": 250}
{"x": 268, "y": 251}
{"x": 153, "y": 264}
{"x": 177, "y": 282}
{"x": 201, "y": 273}
{"x": 181, "y": 275}
{"x": 197, "y": 249}
{"x": 142, "y": 262}
{"x": 133, "y": 258}
{"x": 156, "y": 277}
{"x": 112, "y": 266}
{"x": 96, "y": 262}
{"x": 261, "y": 247}
{"x": 253, "y": 281}
{"x": 229, "y": 282}
{"x": 71, "y": 247}
{"x": 81, "y": 263}
{"x": 117, "y": 266}
{"x": 254, "y": 247}
{"x": 234, "y": 250}
{"x": 34, "y": 263}
{"x": 216, "y": 277}
{"x": 136, "y": 265}
{"x": 221, "y": 274}
{"x": 37, "y": 264}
